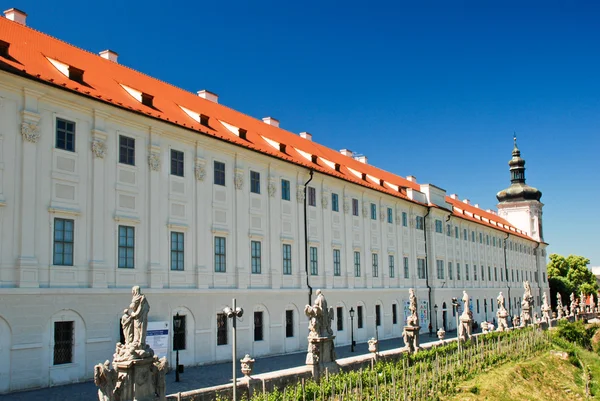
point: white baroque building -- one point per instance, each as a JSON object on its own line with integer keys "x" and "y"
{"x": 110, "y": 178}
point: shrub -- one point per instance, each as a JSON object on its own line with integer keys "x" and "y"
{"x": 574, "y": 332}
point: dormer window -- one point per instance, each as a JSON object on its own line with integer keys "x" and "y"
{"x": 364, "y": 176}
{"x": 204, "y": 120}
{"x": 314, "y": 159}
{"x": 75, "y": 74}
{"x": 242, "y": 132}
{"x": 337, "y": 167}
{"x": 282, "y": 147}
{"x": 4, "y": 48}
{"x": 147, "y": 99}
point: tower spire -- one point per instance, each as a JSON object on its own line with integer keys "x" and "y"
{"x": 518, "y": 190}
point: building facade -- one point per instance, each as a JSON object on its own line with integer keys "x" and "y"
{"x": 110, "y": 179}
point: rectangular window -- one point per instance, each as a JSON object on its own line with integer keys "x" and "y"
{"x": 394, "y": 314}
{"x": 220, "y": 261}
{"x": 467, "y": 271}
{"x": 255, "y": 255}
{"x": 544, "y": 276}
{"x": 440, "y": 269}
{"x": 289, "y": 323}
{"x": 287, "y": 259}
{"x": 465, "y": 235}
{"x": 340, "y": 318}
{"x": 314, "y": 262}
{"x": 176, "y": 163}
{"x": 450, "y": 273}
{"x": 456, "y": 232}
{"x": 255, "y": 182}
{"x": 177, "y": 251}
{"x": 477, "y": 306}
{"x": 126, "y": 247}
{"x": 390, "y": 215}
{"x": 496, "y": 273}
{"x": 494, "y": 241}
{"x": 337, "y": 265}
{"x": 474, "y": 272}
{"x": 391, "y": 264}
{"x": 404, "y": 219}
{"x": 285, "y": 190}
{"x": 472, "y": 236}
{"x": 438, "y": 226}
{"x": 312, "y": 196}
{"x": 65, "y": 135}
{"x": 489, "y": 273}
{"x": 419, "y": 222}
{"x": 222, "y": 329}
{"x": 377, "y": 315}
{"x": 487, "y": 239}
{"x": 513, "y": 274}
{"x": 335, "y": 203}
{"x": 502, "y": 275}
{"x": 458, "y": 271}
{"x": 63, "y": 242}
{"x": 482, "y": 273}
{"x": 63, "y": 342}
{"x": 354, "y": 207}
{"x": 126, "y": 150}
{"x": 359, "y": 316}
{"x": 179, "y": 332}
{"x": 375, "y": 258}
{"x": 406, "y": 275}
{"x": 258, "y": 326}
{"x": 356, "y": 264}
{"x": 219, "y": 168}
{"x": 373, "y": 211}
{"x": 448, "y": 230}
{"x": 421, "y": 268}
{"x": 481, "y": 238}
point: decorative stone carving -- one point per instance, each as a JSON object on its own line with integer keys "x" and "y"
{"x": 98, "y": 148}
{"x": 136, "y": 373}
{"x": 466, "y": 320}
{"x": 559, "y": 306}
{"x": 365, "y": 210}
{"x": 30, "y": 131}
{"x": 346, "y": 205}
{"x": 300, "y": 193}
{"x": 573, "y": 305}
{"x": 154, "y": 161}
{"x": 501, "y": 314}
{"x": 324, "y": 200}
{"x": 373, "y": 345}
{"x": 581, "y": 303}
{"x": 546, "y": 309}
{"x": 321, "y": 348}
{"x": 410, "y": 333}
{"x": 526, "y": 305}
{"x": 271, "y": 189}
{"x": 247, "y": 364}
{"x": 199, "y": 171}
{"x": 441, "y": 333}
{"x": 238, "y": 180}
{"x": 398, "y": 219}
{"x": 382, "y": 215}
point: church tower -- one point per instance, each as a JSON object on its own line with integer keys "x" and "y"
{"x": 520, "y": 204}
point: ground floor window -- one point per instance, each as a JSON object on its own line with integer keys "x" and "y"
{"x": 340, "y": 318}
{"x": 221, "y": 329}
{"x": 178, "y": 332}
{"x": 377, "y": 315}
{"x": 359, "y": 317}
{"x": 63, "y": 342}
{"x": 289, "y": 323}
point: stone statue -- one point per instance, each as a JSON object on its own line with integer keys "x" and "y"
{"x": 581, "y": 303}
{"x": 559, "y": 306}
{"x": 466, "y": 320}
{"x": 104, "y": 378}
{"x": 592, "y": 304}
{"x": 159, "y": 371}
{"x": 546, "y": 309}
{"x": 321, "y": 348}
{"x": 502, "y": 314}
{"x": 410, "y": 333}
{"x": 573, "y": 305}
{"x": 135, "y": 374}
{"x": 526, "y": 305}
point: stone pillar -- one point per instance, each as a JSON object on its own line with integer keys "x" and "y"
{"x": 99, "y": 274}
{"x": 27, "y": 263}
{"x": 155, "y": 270}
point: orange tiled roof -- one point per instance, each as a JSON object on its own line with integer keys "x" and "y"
{"x": 29, "y": 56}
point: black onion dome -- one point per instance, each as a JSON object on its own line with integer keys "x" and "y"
{"x": 518, "y": 190}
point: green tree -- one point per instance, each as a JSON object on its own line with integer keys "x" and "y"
{"x": 570, "y": 274}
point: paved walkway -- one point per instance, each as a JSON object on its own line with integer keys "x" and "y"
{"x": 201, "y": 376}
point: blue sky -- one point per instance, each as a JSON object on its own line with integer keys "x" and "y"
{"x": 434, "y": 90}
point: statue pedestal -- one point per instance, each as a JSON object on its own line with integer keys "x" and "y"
{"x": 464, "y": 330}
{"x": 136, "y": 382}
{"x": 411, "y": 338}
{"x": 502, "y": 315}
{"x": 321, "y": 356}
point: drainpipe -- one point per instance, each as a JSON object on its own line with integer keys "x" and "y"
{"x": 310, "y": 290}
{"x": 507, "y": 280}
{"x": 426, "y": 261}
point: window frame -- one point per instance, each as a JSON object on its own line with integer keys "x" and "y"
{"x": 312, "y": 196}
{"x": 285, "y": 189}
{"x": 177, "y": 163}
{"x": 392, "y": 269}
{"x": 286, "y": 251}
{"x": 355, "y": 208}
{"x": 375, "y": 263}
{"x": 64, "y": 242}
{"x": 126, "y": 247}
{"x": 179, "y": 335}
{"x": 126, "y": 150}
{"x": 314, "y": 260}
{"x": 178, "y": 252}
{"x": 335, "y": 202}
{"x": 406, "y": 268}
{"x": 65, "y": 344}
{"x": 256, "y": 257}
{"x": 373, "y": 211}
{"x": 222, "y": 329}
{"x": 289, "y": 323}
{"x": 66, "y": 133}
{"x": 258, "y": 326}
{"x": 337, "y": 263}
{"x": 357, "y": 264}
{"x": 421, "y": 270}
{"x": 219, "y": 173}
{"x": 390, "y": 215}
{"x": 255, "y": 182}
{"x": 220, "y": 254}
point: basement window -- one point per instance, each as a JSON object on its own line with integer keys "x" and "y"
{"x": 4, "y": 49}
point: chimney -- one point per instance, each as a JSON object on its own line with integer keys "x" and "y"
{"x": 271, "y": 121}
{"x": 468, "y": 202}
{"x": 109, "y": 55}
{"x": 362, "y": 159}
{"x": 454, "y": 196}
{"x": 306, "y": 135}
{"x": 346, "y": 152}
{"x": 411, "y": 178}
{"x": 477, "y": 205}
{"x": 14, "y": 14}
{"x": 213, "y": 97}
